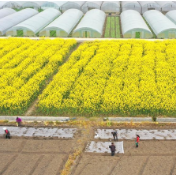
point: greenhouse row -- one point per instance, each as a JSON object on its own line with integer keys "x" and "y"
{"x": 84, "y": 6}
{"x": 94, "y": 24}
{"x": 135, "y": 26}
{"x": 30, "y": 22}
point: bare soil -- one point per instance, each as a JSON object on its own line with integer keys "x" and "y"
{"x": 29, "y": 156}
{"x": 19, "y": 156}
{"x": 151, "y": 158}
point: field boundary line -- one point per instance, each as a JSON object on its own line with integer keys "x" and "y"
{"x": 36, "y": 164}
{"x": 173, "y": 167}
{"x": 64, "y": 160}
{"x": 8, "y": 164}
{"x": 143, "y": 166}
{"x": 110, "y": 173}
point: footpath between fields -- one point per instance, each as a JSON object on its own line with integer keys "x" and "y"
{"x": 65, "y": 119}
{"x": 80, "y": 40}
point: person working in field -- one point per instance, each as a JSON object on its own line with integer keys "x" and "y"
{"x": 114, "y": 133}
{"x": 137, "y": 140}
{"x": 112, "y": 148}
{"x": 6, "y": 132}
{"x": 18, "y": 121}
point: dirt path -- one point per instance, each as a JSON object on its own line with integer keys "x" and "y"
{"x": 32, "y": 109}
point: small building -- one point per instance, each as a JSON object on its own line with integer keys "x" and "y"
{"x": 149, "y": 5}
{"x": 130, "y": 5}
{"x": 89, "y": 5}
{"x": 72, "y": 5}
{"x": 111, "y": 7}
{"x": 166, "y": 6}
{"x": 11, "y": 20}
{"x": 64, "y": 24}
{"x": 91, "y": 25}
{"x": 172, "y": 16}
{"x": 5, "y": 12}
{"x": 35, "y": 24}
{"x": 160, "y": 24}
{"x": 133, "y": 25}
{"x": 53, "y": 4}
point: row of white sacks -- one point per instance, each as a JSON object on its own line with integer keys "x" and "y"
{"x": 84, "y": 6}
{"x": 31, "y": 22}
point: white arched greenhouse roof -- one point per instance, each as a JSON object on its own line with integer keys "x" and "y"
{"x": 72, "y": 5}
{"x": 20, "y": 3}
{"x": 111, "y": 6}
{"x": 131, "y": 19}
{"x": 34, "y": 4}
{"x": 131, "y": 5}
{"x": 158, "y": 22}
{"x": 5, "y": 12}
{"x": 66, "y": 22}
{"x": 166, "y": 5}
{"x": 39, "y": 21}
{"x": 149, "y": 5}
{"x": 93, "y": 19}
{"x": 9, "y": 4}
{"x": 172, "y": 15}
{"x": 91, "y": 5}
{"x": 15, "y": 18}
{"x": 53, "y": 4}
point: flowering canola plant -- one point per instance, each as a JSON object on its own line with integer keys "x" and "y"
{"x": 128, "y": 77}
{"x": 24, "y": 67}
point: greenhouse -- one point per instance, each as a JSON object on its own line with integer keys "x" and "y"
{"x": 160, "y": 24}
{"x": 14, "y": 19}
{"x": 34, "y": 4}
{"x": 89, "y": 5}
{"x": 64, "y": 24}
{"x": 133, "y": 25}
{"x": 9, "y": 4}
{"x": 72, "y": 5}
{"x": 149, "y": 5}
{"x": 53, "y": 4}
{"x": 5, "y": 12}
{"x": 111, "y": 7}
{"x": 166, "y": 6}
{"x": 131, "y": 5}
{"x": 33, "y": 25}
{"x": 91, "y": 25}
{"x": 172, "y": 16}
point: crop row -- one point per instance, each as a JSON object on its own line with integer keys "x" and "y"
{"x": 112, "y": 28}
{"x": 23, "y": 71}
{"x": 100, "y": 78}
{"x": 115, "y": 78}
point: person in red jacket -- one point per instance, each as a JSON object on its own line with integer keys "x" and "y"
{"x": 137, "y": 140}
{"x": 6, "y": 132}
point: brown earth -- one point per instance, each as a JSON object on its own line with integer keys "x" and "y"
{"x": 151, "y": 158}
{"x": 48, "y": 157}
{"x": 29, "y": 156}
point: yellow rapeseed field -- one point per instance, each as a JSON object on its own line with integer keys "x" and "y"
{"x": 131, "y": 77}
{"x": 24, "y": 66}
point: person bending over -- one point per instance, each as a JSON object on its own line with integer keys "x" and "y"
{"x": 18, "y": 121}
{"x": 7, "y": 133}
